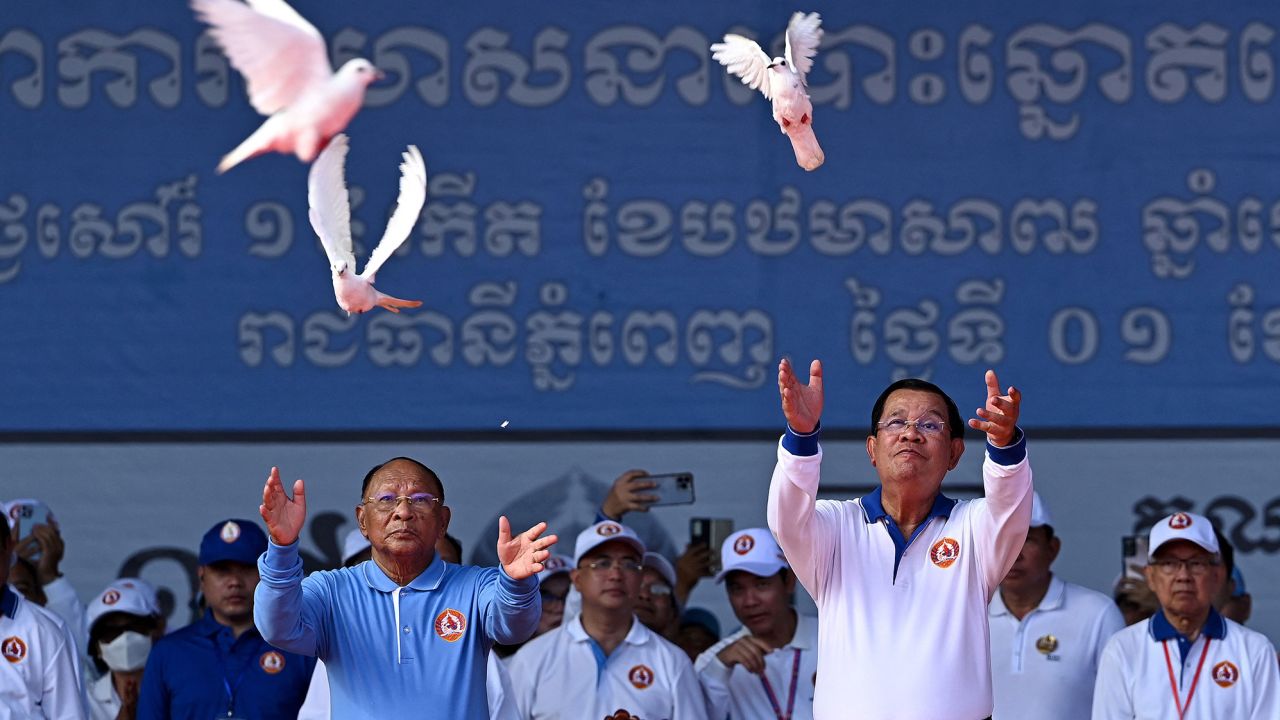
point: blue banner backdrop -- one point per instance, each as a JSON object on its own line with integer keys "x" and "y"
{"x": 617, "y": 236}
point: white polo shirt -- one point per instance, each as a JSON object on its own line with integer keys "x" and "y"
{"x": 1044, "y": 666}
{"x": 564, "y": 675}
{"x": 1237, "y": 678}
{"x": 38, "y": 676}
{"x": 738, "y": 693}
{"x": 903, "y": 621}
{"x": 316, "y": 706}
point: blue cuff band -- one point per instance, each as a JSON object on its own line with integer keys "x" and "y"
{"x": 801, "y": 444}
{"x": 1011, "y": 454}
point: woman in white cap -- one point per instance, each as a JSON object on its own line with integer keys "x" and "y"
{"x": 124, "y": 619}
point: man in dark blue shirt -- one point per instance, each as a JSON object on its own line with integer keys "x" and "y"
{"x": 219, "y": 666}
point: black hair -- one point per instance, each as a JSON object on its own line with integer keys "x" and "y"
{"x": 4, "y": 541}
{"x": 955, "y": 424}
{"x": 368, "y": 478}
{"x": 1226, "y": 550}
{"x": 457, "y": 544}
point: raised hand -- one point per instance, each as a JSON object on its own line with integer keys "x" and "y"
{"x": 748, "y": 651}
{"x": 522, "y": 555}
{"x": 999, "y": 419}
{"x": 801, "y": 404}
{"x": 627, "y": 494}
{"x": 284, "y": 517}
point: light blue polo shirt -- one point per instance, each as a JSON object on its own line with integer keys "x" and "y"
{"x": 412, "y": 651}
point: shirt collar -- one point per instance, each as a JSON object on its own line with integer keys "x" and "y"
{"x": 428, "y": 579}
{"x": 637, "y": 635}
{"x": 8, "y": 601}
{"x": 873, "y": 507}
{"x": 209, "y": 627}
{"x": 1161, "y": 629}
{"x": 1052, "y": 600}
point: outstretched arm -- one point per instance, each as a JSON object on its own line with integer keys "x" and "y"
{"x": 287, "y": 617}
{"x": 794, "y": 517}
{"x": 1006, "y": 479}
{"x": 513, "y": 600}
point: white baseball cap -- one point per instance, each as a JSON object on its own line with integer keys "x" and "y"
{"x": 1039, "y": 511}
{"x": 127, "y": 595}
{"x": 554, "y": 565}
{"x": 353, "y": 544}
{"x": 603, "y": 532}
{"x": 662, "y": 565}
{"x": 753, "y": 550}
{"x": 1183, "y": 526}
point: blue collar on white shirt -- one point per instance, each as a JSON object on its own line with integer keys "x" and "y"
{"x": 8, "y": 601}
{"x": 428, "y": 579}
{"x": 873, "y": 511}
{"x": 1161, "y": 630}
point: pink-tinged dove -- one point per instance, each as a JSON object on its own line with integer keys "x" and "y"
{"x": 285, "y": 64}
{"x": 782, "y": 80}
{"x": 331, "y": 219}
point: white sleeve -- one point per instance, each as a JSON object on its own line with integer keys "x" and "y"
{"x": 806, "y": 529}
{"x": 522, "y": 672}
{"x": 690, "y": 704}
{"x": 502, "y": 706}
{"x": 1112, "y": 696}
{"x": 317, "y": 704}
{"x": 63, "y": 697}
{"x": 1000, "y": 528}
{"x": 62, "y": 600}
{"x": 1266, "y": 681}
{"x": 1109, "y": 623}
{"x": 714, "y": 678}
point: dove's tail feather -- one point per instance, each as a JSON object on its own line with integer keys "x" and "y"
{"x": 809, "y": 154}
{"x": 394, "y": 304}
{"x": 258, "y": 143}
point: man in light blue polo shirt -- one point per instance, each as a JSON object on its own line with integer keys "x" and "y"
{"x": 403, "y": 634}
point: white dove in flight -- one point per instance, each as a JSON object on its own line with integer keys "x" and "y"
{"x": 782, "y": 80}
{"x": 285, "y": 64}
{"x": 331, "y": 219}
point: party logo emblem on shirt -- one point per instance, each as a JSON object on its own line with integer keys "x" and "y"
{"x": 640, "y": 676}
{"x": 1047, "y": 644}
{"x": 1226, "y": 674}
{"x": 945, "y": 552}
{"x": 607, "y": 529}
{"x": 230, "y": 532}
{"x": 110, "y": 597}
{"x": 450, "y": 625}
{"x": 13, "y": 649}
{"x": 743, "y": 545}
{"x": 271, "y": 662}
{"x": 1180, "y": 521}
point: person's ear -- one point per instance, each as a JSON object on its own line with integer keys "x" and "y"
{"x": 957, "y": 449}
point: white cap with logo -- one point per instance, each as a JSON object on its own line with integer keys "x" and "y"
{"x": 127, "y": 595}
{"x": 603, "y": 532}
{"x": 554, "y": 565}
{"x": 662, "y": 565}
{"x": 753, "y": 550}
{"x": 1039, "y": 511}
{"x": 1183, "y": 526}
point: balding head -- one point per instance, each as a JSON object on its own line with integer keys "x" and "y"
{"x": 403, "y": 467}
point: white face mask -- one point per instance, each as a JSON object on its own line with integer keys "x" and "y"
{"x": 127, "y": 652}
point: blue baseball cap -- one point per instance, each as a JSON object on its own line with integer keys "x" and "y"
{"x": 236, "y": 540}
{"x": 704, "y": 618}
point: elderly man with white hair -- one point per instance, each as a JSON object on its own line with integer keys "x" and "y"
{"x": 1187, "y": 661}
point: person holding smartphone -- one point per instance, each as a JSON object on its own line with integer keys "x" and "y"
{"x": 903, "y": 575}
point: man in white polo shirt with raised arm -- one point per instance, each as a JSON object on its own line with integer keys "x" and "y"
{"x": 902, "y": 576}
{"x": 605, "y": 660}
{"x": 766, "y": 670}
{"x": 1187, "y": 661}
{"x": 1047, "y": 634}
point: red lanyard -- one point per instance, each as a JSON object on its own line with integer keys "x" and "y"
{"x": 791, "y": 696}
{"x": 1173, "y": 683}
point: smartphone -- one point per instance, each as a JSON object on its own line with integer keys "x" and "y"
{"x": 27, "y": 514}
{"x": 1133, "y": 557}
{"x": 671, "y": 489}
{"x": 712, "y": 533}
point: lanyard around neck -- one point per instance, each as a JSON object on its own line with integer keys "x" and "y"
{"x": 791, "y": 696}
{"x": 1173, "y": 682}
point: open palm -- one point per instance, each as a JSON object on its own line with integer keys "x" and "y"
{"x": 801, "y": 404}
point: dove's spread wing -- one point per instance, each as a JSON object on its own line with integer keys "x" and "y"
{"x": 803, "y": 35}
{"x": 413, "y": 193}
{"x": 744, "y": 57}
{"x": 330, "y": 206}
{"x": 280, "y": 54}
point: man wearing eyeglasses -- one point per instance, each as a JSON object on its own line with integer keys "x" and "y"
{"x": 902, "y": 576}
{"x": 605, "y": 660}
{"x": 1187, "y": 661}
{"x": 404, "y": 632}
